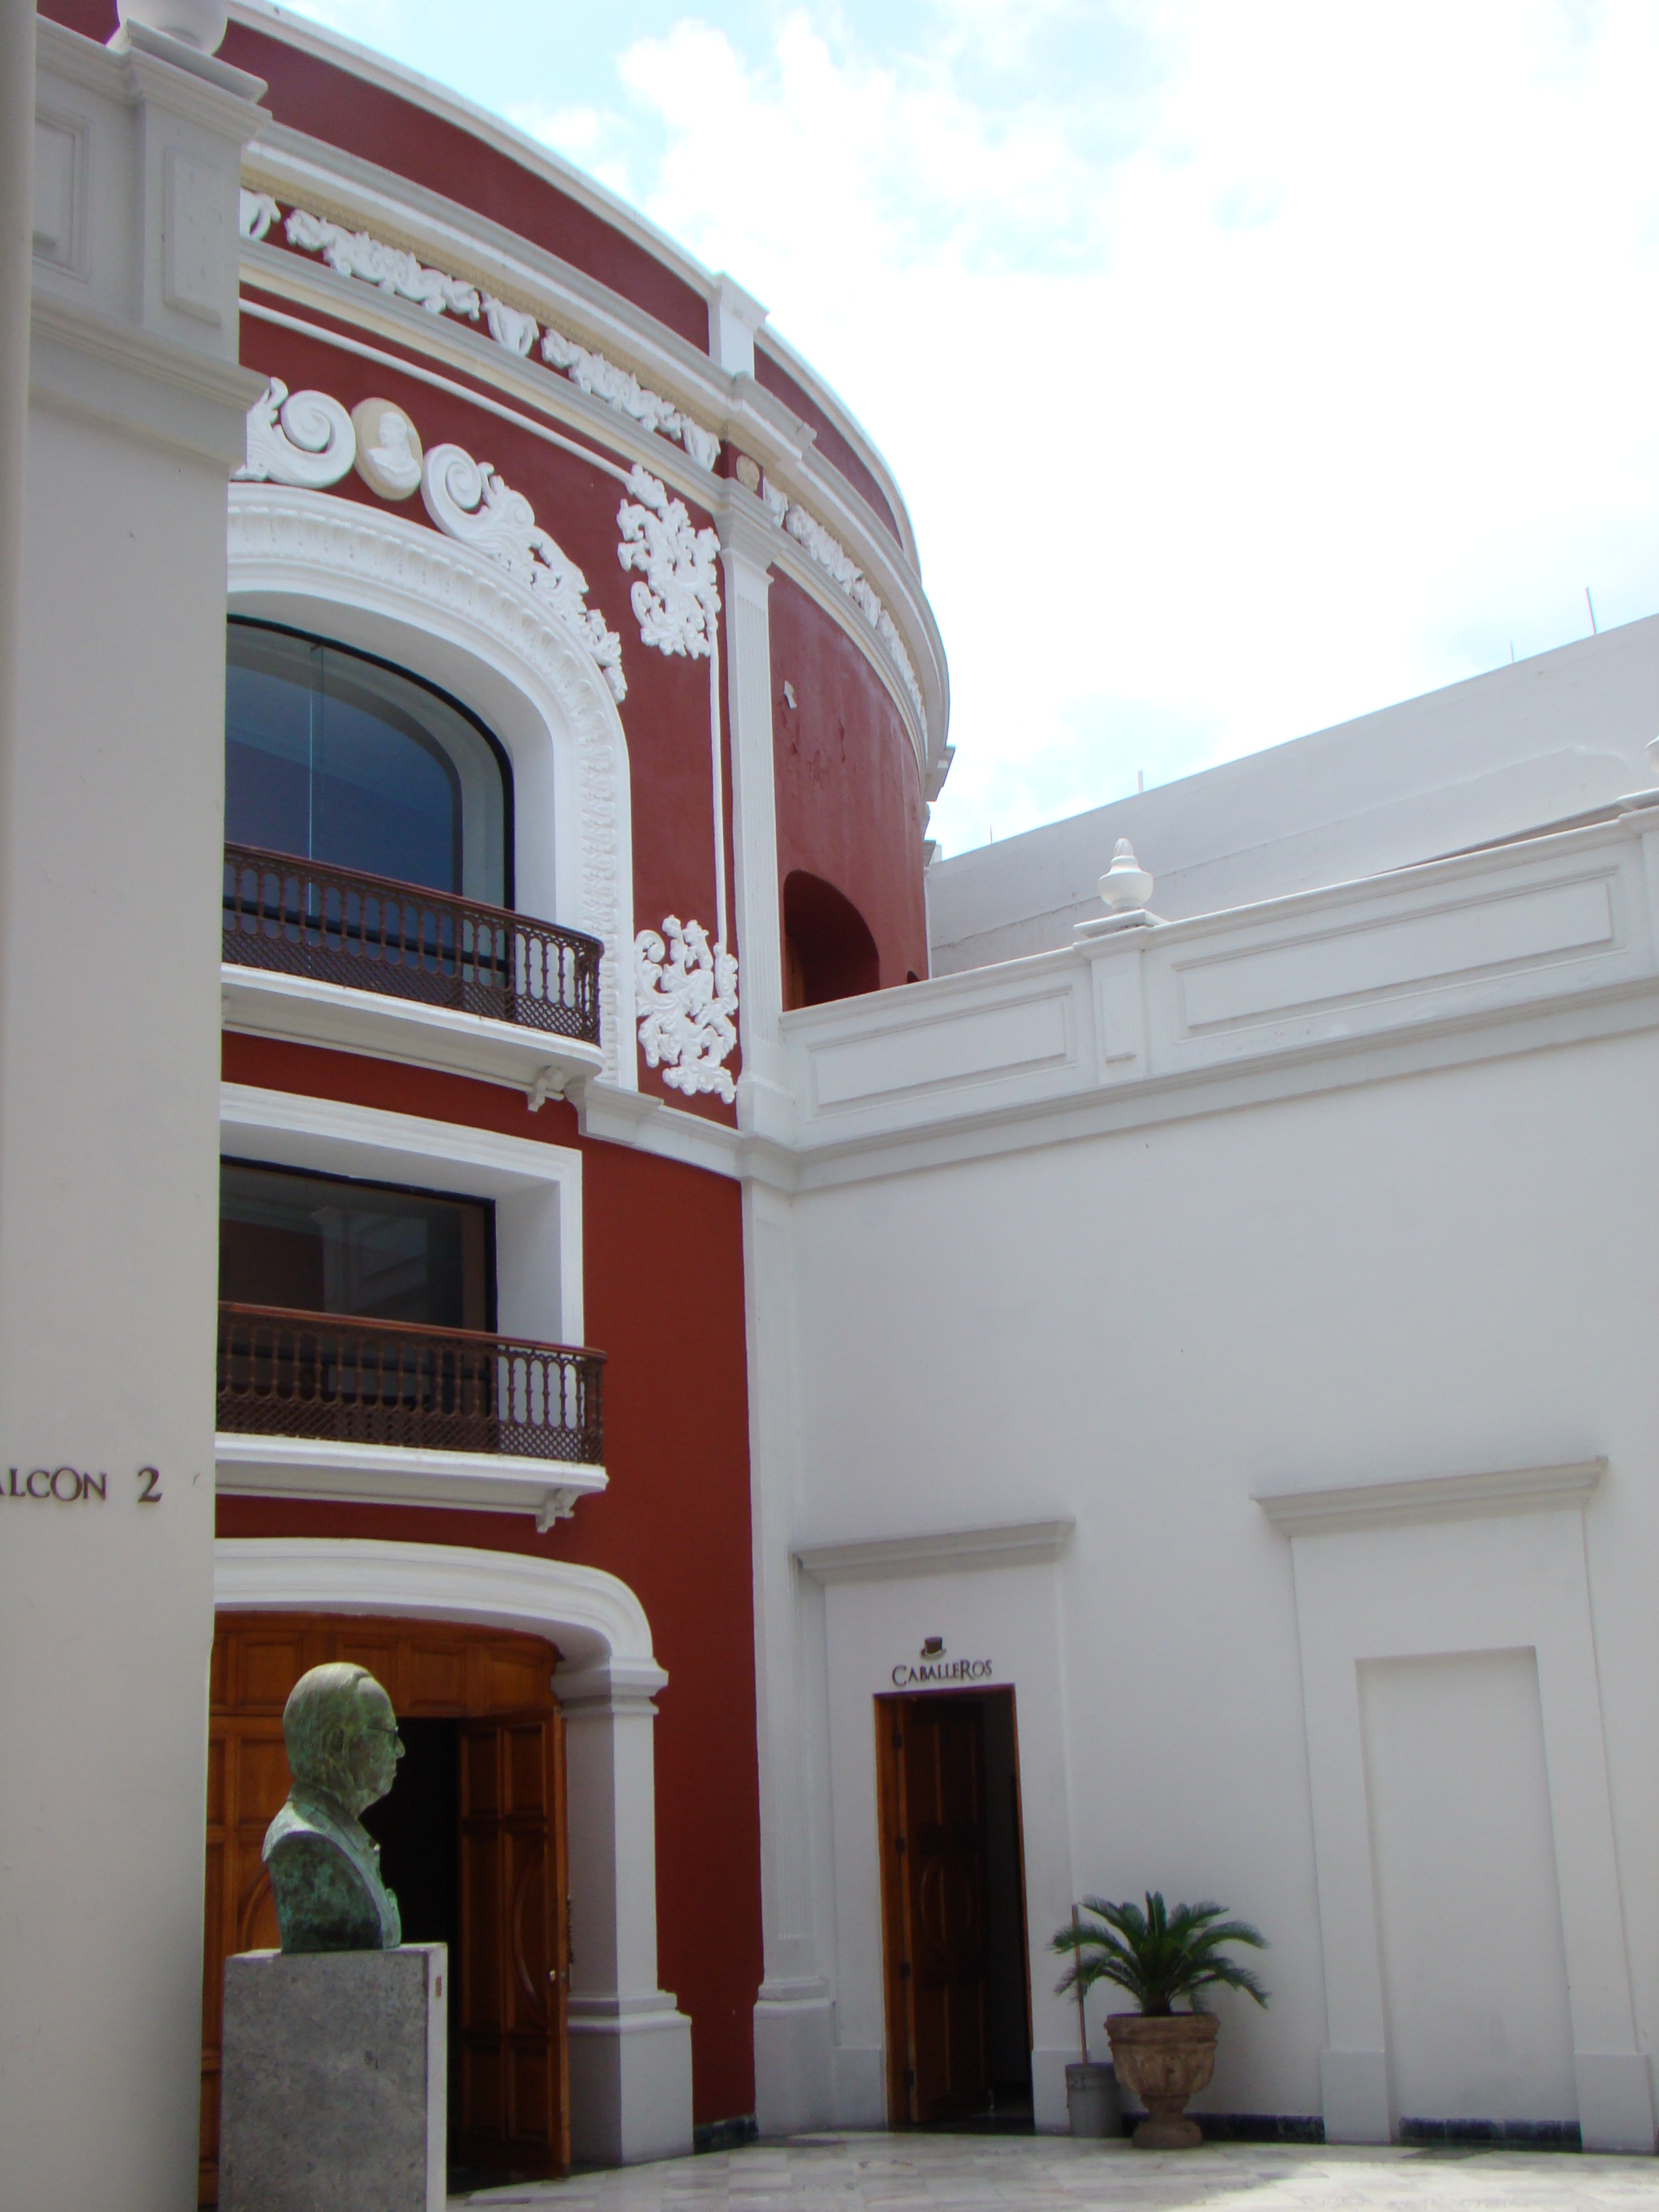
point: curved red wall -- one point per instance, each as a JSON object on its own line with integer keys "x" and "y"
{"x": 666, "y": 713}
{"x": 663, "y": 1280}
{"x": 848, "y": 792}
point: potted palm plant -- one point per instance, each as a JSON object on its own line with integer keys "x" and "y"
{"x": 1164, "y": 2056}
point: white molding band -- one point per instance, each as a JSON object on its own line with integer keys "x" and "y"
{"x": 1432, "y": 1497}
{"x": 945, "y": 1551}
{"x": 338, "y": 555}
{"x": 593, "y": 1618}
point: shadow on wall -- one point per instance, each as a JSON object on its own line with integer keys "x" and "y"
{"x": 828, "y": 951}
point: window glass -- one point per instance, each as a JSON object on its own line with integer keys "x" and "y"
{"x": 335, "y": 758}
{"x": 322, "y": 1244}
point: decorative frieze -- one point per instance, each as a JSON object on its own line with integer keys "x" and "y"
{"x": 468, "y": 503}
{"x": 354, "y": 253}
{"x": 687, "y": 989}
{"x": 619, "y": 388}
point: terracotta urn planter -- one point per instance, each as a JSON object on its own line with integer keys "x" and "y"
{"x": 1164, "y": 2059}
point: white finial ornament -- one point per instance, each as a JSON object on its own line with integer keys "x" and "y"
{"x": 199, "y": 23}
{"x": 1124, "y": 891}
{"x": 1125, "y": 885}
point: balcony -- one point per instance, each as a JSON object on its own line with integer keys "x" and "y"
{"x": 334, "y": 956}
{"x": 326, "y": 1405}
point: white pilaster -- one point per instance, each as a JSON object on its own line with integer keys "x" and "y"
{"x": 734, "y": 316}
{"x": 795, "y": 2020}
{"x": 631, "y": 2047}
{"x": 764, "y": 1104}
{"x": 108, "y": 1113}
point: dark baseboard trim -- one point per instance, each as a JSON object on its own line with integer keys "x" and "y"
{"x": 725, "y": 2135}
{"x": 1254, "y": 2127}
{"x": 1508, "y": 2135}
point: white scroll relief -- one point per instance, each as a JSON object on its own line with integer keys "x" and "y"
{"x": 688, "y": 989}
{"x": 305, "y": 438}
{"x": 256, "y": 212}
{"x": 619, "y": 388}
{"x": 354, "y": 253}
{"x": 468, "y": 501}
{"x": 679, "y": 602}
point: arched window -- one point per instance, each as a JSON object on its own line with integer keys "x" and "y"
{"x": 828, "y": 951}
{"x": 334, "y": 756}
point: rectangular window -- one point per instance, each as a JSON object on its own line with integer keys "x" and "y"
{"x": 326, "y": 1244}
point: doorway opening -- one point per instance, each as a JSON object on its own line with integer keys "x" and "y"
{"x": 953, "y": 1910}
{"x": 472, "y": 1840}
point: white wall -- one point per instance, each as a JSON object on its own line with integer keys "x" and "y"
{"x": 1538, "y": 741}
{"x": 1451, "y": 1271}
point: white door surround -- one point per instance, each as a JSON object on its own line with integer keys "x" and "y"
{"x": 1485, "y": 1562}
{"x": 630, "y": 2049}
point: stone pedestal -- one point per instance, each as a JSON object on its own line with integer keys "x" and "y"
{"x": 334, "y": 2091}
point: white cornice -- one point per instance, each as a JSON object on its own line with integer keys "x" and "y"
{"x": 1433, "y": 1497}
{"x": 98, "y": 365}
{"x": 938, "y": 1551}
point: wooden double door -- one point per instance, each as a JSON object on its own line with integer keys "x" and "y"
{"x": 472, "y": 1839}
{"x": 953, "y": 1907}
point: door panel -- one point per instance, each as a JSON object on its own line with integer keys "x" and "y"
{"x": 430, "y": 1671}
{"x": 930, "y": 1766}
{"x": 514, "y": 1952}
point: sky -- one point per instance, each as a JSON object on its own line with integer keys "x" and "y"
{"x": 1244, "y": 366}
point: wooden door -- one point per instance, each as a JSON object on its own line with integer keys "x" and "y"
{"x": 431, "y": 1670}
{"x": 930, "y": 1758}
{"x": 514, "y": 1946}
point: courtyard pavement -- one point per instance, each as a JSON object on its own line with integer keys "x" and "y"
{"x": 1048, "y": 2173}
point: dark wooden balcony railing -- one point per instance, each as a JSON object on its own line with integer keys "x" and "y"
{"x": 302, "y": 918}
{"x": 327, "y": 1375}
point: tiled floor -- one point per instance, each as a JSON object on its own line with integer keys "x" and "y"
{"x": 939, "y": 2173}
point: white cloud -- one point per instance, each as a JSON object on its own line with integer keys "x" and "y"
{"x": 1300, "y": 375}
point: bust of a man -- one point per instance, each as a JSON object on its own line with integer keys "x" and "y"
{"x": 341, "y": 1736}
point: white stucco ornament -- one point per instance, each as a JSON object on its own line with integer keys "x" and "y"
{"x": 302, "y": 438}
{"x": 255, "y": 212}
{"x": 355, "y": 253}
{"x": 388, "y": 448}
{"x": 510, "y": 327}
{"x": 1125, "y": 885}
{"x": 687, "y": 989}
{"x": 468, "y": 501}
{"x": 678, "y": 604}
{"x": 197, "y": 22}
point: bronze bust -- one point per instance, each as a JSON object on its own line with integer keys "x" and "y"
{"x": 341, "y": 1736}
